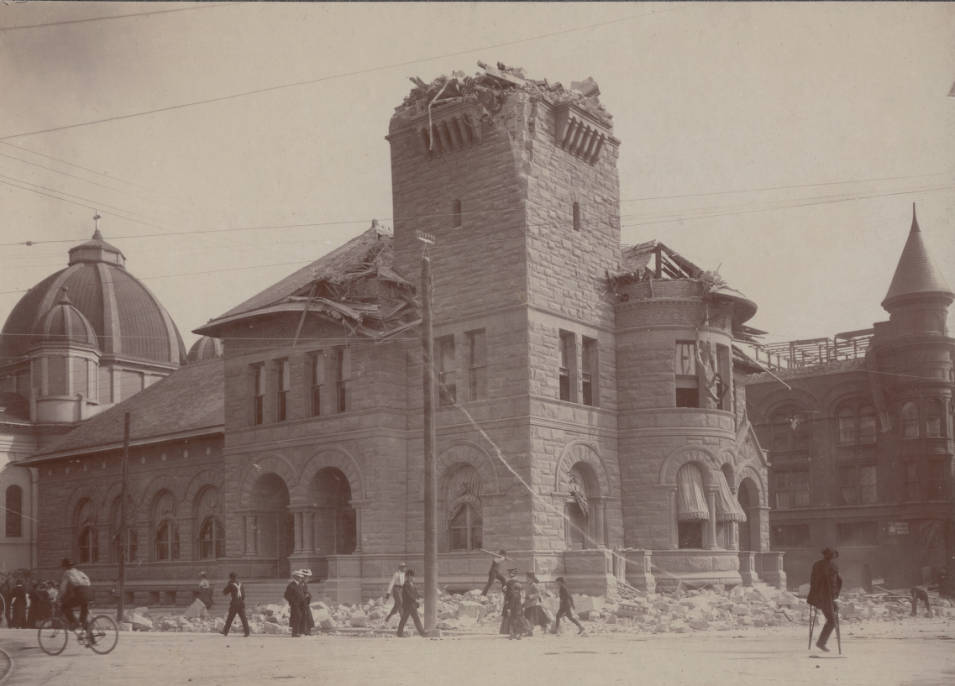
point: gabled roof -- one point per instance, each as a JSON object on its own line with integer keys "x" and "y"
{"x": 915, "y": 274}
{"x": 190, "y": 401}
{"x": 342, "y": 285}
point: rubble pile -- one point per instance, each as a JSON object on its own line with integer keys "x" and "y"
{"x": 713, "y": 608}
{"x": 490, "y": 87}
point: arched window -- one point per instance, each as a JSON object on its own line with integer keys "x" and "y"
{"x": 910, "y": 420}
{"x": 848, "y": 434}
{"x": 934, "y": 419}
{"x": 466, "y": 529}
{"x": 692, "y": 508}
{"x": 88, "y": 545}
{"x": 167, "y": 540}
{"x": 868, "y": 429}
{"x": 211, "y": 539}
{"x": 14, "y": 511}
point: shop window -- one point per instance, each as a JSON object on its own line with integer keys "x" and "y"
{"x": 857, "y": 533}
{"x": 790, "y": 536}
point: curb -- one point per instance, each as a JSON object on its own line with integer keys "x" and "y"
{"x": 6, "y": 664}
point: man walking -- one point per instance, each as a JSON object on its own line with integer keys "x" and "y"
{"x": 494, "y": 573}
{"x": 409, "y": 604}
{"x": 395, "y": 587}
{"x": 824, "y": 586}
{"x": 566, "y": 608}
{"x": 236, "y": 604}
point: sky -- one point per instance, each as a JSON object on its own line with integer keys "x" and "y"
{"x": 783, "y": 144}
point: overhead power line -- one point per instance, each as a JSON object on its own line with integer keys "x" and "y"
{"x": 330, "y": 77}
{"x": 24, "y": 27}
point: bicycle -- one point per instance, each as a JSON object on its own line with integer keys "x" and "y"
{"x": 101, "y": 634}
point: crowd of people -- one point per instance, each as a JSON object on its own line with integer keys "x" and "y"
{"x": 30, "y": 602}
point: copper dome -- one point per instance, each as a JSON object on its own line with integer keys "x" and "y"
{"x": 128, "y": 320}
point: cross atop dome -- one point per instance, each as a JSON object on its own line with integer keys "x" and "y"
{"x": 97, "y": 236}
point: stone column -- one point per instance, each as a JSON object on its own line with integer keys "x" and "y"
{"x": 359, "y": 506}
{"x": 709, "y": 539}
{"x": 599, "y": 528}
{"x": 672, "y": 524}
{"x": 308, "y": 534}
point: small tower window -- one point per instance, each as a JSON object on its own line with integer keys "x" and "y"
{"x": 576, "y": 216}
{"x": 456, "y": 215}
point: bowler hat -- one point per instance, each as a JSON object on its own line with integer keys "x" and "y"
{"x": 829, "y": 553}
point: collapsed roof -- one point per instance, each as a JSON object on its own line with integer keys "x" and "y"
{"x": 490, "y": 86}
{"x": 354, "y": 285}
{"x": 655, "y": 260}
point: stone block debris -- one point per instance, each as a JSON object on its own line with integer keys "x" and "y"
{"x": 713, "y": 608}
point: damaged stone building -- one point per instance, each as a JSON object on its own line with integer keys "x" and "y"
{"x": 591, "y": 414}
{"x": 859, "y": 434}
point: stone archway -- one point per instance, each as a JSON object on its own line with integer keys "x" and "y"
{"x": 749, "y": 531}
{"x": 271, "y": 534}
{"x": 334, "y": 525}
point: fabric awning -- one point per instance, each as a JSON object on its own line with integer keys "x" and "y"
{"x": 691, "y": 500}
{"x": 728, "y": 508}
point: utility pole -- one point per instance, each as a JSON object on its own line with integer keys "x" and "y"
{"x": 430, "y": 477}
{"x": 123, "y": 532}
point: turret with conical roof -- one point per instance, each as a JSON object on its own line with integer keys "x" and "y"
{"x": 917, "y": 282}
{"x": 918, "y": 297}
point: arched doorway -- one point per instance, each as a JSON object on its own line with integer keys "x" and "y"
{"x": 583, "y": 525}
{"x": 335, "y": 525}
{"x": 748, "y": 496}
{"x": 274, "y": 532}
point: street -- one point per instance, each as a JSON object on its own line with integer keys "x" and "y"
{"x": 910, "y": 653}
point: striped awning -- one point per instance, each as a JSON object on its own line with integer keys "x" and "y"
{"x": 690, "y": 498}
{"x": 728, "y": 508}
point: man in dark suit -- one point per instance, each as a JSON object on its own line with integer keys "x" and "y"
{"x": 824, "y": 587}
{"x": 236, "y": 604}
{"x": 296, "y": 598}
{"x": 409, "y": 604}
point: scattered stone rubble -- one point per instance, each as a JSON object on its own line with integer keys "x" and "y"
{"x": 710, "y": 609}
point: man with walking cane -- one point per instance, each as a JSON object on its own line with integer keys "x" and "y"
{"x": 824, "y": 586}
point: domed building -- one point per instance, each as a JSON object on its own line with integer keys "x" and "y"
{"x": 81, "y": 340}
{"x": 205, "y": 348}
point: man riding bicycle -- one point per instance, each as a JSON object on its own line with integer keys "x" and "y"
{"x": 75, "y": 591}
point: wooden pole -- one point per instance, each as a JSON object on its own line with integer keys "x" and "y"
{"x": 123, "y": 530}
{"x": 430, "y": 481}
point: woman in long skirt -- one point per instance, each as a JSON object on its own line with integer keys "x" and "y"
{"x": 534, "y": 613}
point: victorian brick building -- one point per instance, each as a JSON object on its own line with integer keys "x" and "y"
{"x": 591, "y": 416}
{"x": 860, "y": 437}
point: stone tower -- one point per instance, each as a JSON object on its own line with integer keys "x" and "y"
{"x": 517, "y": 182}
